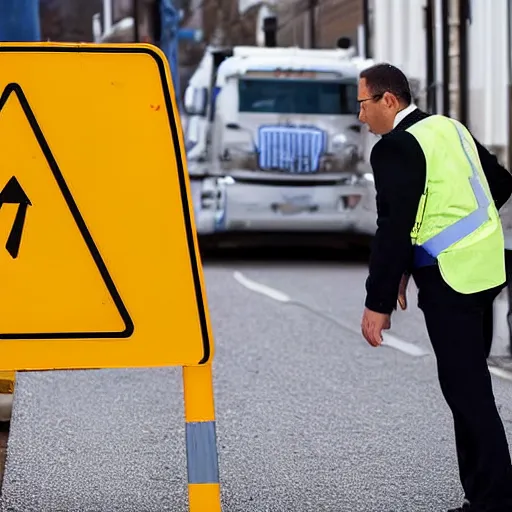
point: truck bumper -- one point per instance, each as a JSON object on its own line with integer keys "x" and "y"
{"x": 226, "y": 205}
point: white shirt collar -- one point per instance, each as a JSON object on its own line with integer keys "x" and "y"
{"x": 403, "y": 114}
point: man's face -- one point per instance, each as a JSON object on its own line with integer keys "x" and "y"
{"x": 378, "y": 112}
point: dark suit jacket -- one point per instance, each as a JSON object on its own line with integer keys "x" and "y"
{"x": 399, "y": 169}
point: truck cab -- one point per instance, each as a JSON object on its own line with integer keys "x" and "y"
{"x": 280, "y": 150}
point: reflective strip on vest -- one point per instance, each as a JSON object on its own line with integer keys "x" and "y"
{"x": 467, "y": 225}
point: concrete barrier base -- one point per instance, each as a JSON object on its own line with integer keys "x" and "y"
{"x": 5, "y": 407}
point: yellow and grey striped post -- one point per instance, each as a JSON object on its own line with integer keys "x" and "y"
{"x": 201, "y": 439}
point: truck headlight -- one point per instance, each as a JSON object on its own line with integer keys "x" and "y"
{"x": 369, "y": 177}
{"x": 338, "y": 141}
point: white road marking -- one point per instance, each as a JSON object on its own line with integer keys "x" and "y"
{"x": 261, "y": 288}
{"x": 389, "y": 340}
{"x": 404, "y": 346}
{"x": 499, "y": 372}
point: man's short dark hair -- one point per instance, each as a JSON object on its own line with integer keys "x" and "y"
{"x": 384, "y": 77}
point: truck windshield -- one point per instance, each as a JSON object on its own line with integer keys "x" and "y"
{"x": 297, "y": 97}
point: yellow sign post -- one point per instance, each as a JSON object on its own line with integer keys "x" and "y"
{"x": 99, "y": 262}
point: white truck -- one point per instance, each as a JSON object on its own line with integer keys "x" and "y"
{"x": 274, "y": 147}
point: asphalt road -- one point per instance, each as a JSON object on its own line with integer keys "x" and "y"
{"x": 309, "y": 417}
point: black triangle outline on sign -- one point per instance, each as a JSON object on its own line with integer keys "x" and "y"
{"x": 75, "y": 212}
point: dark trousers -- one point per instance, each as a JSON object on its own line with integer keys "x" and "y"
{"x": 488, "y": 327}
{"x": 458, "y": 331}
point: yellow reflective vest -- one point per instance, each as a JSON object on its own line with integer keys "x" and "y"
{"x": 457, "y": 221}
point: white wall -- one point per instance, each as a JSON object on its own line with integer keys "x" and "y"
{"x": 488, "y": 72}
{"x": 244, "y": 5}
{"x": 399, "y": 36}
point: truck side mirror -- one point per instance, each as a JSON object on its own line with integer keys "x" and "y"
{"x": 195, "y": 101}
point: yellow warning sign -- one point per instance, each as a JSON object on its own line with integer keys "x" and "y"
{"x": 99, "y": 262}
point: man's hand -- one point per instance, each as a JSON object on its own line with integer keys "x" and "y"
{"x": 373, "y": 324}
{"x": 402, "y": 292}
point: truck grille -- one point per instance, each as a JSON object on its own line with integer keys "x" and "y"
{"x": 290, "y": 149}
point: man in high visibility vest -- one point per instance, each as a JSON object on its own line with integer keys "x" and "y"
{"x": 438, "y": 195}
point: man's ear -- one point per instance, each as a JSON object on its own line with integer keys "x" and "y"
{"x": 390, "y": 100}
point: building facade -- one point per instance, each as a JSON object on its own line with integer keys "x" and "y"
{"x": 435, "y": 54}
{"x": 68, "y": 20}
{"x": 318, "y": 23}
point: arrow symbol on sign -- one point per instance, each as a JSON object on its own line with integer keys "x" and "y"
{"x": 12, "y": 193}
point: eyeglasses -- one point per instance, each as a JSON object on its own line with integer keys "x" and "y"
{"x": 375, "y": 97}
